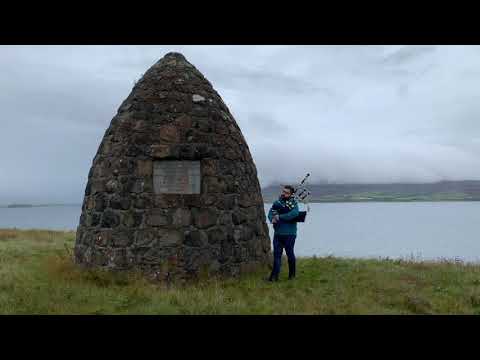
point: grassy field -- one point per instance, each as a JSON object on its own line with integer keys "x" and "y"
{"x": 386, "y": 197}
{"x": 37, "y": 276}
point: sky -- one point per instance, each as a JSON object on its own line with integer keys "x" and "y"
{"x": 345, "y": 114}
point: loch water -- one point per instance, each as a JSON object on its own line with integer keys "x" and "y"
{"x": 413, "y": 230}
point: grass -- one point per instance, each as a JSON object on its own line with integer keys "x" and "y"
{"x": 391, "y": 197}
{"x": 37, "y": 276}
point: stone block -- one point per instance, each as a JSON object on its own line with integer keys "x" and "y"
{"x": 226, "y": 251}
{"x": 103, "y": 238}
{"x": 143, "y": 201}
{"x": 184, "y": 121}
{"x": 212, "y": 184}
{"x": 111, "y": 186}
{"x": 118, "y": 259}
{"x": 171, "y": 238}
{"x": 209, "y": 167}
{"x": 216, "y": 235}
{"x": 246, "y": 200}
{"x": 231, "y": 154}
{"x": 131, "y": 219}
{"x": 206, "y": 125}
{"x": 160, "y": 151}
{"x": 204, "y": 217}
{"x": 158, "y": 217}
{"x": 248, "y": 232}
{"x": 150, "y": 256}
{"x": 141, "y": 126}
{"x": 97, "y": 186}
{"x": 172, "y": 200}
{"x": 238, "y": 234}
{"x": 209, "y": 200}
{"x": 251, "y": 213}
{"x": 187, "y": 152}
{"x": 214, "y": 267}
{"x": 196, "y": 238}
{"x": 140, "y": 138}
{"x": 239, "y": 254}
{"x": 101, "y": 201}
{"x": 145, "y": 237}
{"x": 122, "y": 237}
{"x": 196, "y": 259}
{"x": 110, "y": 219}
{"x": 181, "y": 217}
{"x": 120, "y": 202}
{"x": 200, "y": 137}
{"x": 221, "y": 128}
{"x": 98, "y": 256}
{"x": 167, "y": 134}
{"x": 144, "y": 168}
{"x": 192, "y": 200}
{"x": 140, "y": 186}
{"x": 89, "y": 203}
{"x": 123, "y": 166}
{"x": 227, "y": 202}
{"x": 197, "y": 98}
{"x": 226, "y": 167}
{"x": 92, "y": 219}
{"x": 86, "y": 237}
{"x": 225, "y": 218}
{"x": 239, "y": 216}
{"x": 229, "y": 184}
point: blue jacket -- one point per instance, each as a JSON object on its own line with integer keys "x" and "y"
{"x": 283, "y": 226}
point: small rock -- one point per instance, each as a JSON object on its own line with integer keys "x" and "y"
{"x": 196, "y": 238}
{"x": 112, "y": 186}
{"x": 197, "y": 98}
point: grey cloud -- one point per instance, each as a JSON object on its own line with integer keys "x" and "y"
{"x": 343, "y": 113}
{"x": 266, "y": 124}
{"x": 407, "y": 54}
{"x": 264, "y": 80}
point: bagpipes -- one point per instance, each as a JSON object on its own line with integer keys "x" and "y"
{"x": 300, "y": 194}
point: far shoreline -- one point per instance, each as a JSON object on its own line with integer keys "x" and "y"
{"x": 27, "y": 206}
{"x": 381, "y": 201}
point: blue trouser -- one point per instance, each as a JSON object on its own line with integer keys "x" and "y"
{"x": 279, "y": 243}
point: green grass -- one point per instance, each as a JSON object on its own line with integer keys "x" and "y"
{"x": 389, "y": 197}
{"x": 37, "y": 276}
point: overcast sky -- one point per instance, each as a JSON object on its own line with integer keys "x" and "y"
{"x": 342, "y": 113}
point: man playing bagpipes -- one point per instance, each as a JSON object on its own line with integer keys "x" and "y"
{"x": 284, "y": 215}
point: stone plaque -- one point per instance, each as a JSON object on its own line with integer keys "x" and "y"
{"x": 176, "y": 177}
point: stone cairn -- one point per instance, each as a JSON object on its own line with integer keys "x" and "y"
{"x": 132, "y": 217}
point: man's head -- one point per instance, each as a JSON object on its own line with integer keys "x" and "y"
{"x": 287, "y": 191}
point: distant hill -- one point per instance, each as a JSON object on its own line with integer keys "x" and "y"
{"x": 38, "y": 205}
{"x": 439, "y": 191}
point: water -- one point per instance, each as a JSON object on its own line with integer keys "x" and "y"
{"x": 54, "y": 218}
{"x": 422, "y": 230}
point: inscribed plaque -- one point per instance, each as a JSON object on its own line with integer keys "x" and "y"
{"x": 176, "y": 177}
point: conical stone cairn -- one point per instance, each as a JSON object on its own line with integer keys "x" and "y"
{"x": 173, "y": 189}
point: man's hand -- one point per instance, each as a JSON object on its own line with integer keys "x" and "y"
{"x": 275, "y": 219}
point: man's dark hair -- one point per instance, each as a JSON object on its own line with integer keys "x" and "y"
{"x": 290, "y": 187}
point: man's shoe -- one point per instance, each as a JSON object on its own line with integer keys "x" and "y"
{"x": 270, "y": 279}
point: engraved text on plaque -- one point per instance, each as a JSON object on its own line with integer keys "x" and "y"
{"x": 176, "y": 177}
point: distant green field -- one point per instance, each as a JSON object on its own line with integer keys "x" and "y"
{"x": 375, "y": 196}
{"x": 37, "y": 276}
